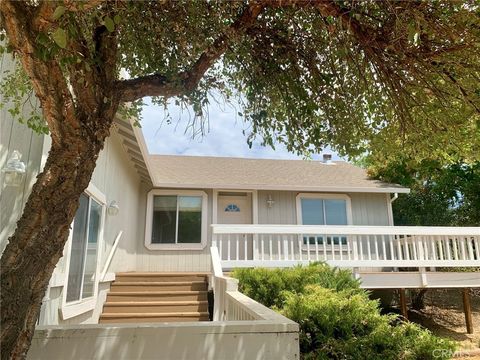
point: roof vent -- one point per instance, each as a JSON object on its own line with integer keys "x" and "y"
{"x": 327, "y": 159}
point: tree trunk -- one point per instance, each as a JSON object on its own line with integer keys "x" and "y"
{"x": 37, "y": 244}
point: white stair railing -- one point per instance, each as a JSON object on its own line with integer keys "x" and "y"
{"x": 110, "y": 256}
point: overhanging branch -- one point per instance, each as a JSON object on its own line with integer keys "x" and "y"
{"x": 158, "y": 85}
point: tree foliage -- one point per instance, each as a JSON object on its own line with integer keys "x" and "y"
{"x": 441, "y": 194}
{"x": 377, "y": 76}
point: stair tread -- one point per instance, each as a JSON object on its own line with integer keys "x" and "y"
{"x": 156, "y": 283}
{"x": 162, "y": 274}
{"x": 150, "y": 303}
{"x": 179, "y": 314}
{"x": 164, "y": 292}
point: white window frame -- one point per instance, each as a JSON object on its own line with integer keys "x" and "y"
{"x": 182, "y": 246}
{"x": 323, "y": 196}
{"x": 75, "y": 308}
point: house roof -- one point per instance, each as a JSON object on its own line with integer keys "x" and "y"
{"x": 134, "y": 145}
{"x": 257, "y": 174}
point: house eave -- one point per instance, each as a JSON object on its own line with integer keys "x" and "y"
{"x": 335, "y": 189}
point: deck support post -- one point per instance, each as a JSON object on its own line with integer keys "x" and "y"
{"x": 467, "y": 308}
{"x": 403, "y": 303}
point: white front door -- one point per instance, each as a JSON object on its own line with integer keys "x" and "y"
{"x": 236, "y": 208}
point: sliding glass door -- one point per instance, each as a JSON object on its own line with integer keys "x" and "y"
{"x": 83, "y": 254}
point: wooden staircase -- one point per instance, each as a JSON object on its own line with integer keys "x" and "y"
{"x": 156, "y": 297}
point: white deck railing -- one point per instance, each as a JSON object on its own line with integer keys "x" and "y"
{"x": 347, "y": 246}
{"x": 232, "y": 305}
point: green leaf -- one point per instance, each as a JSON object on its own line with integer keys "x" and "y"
{"x": 59, "y": 11}
{"x": 60, "y": 38}
{"x": 109, "y": 24}
{"x": 117, "y": 19}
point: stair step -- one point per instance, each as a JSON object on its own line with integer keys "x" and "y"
{"x": 155, "y": 307}
{"x": 142, "y": 296}
{"x": 163, "y": 277}
{"x": 158, "y": 286}
{"x": 153, "y": 317}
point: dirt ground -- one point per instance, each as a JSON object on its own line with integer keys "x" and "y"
{"x": 443, "y": 315}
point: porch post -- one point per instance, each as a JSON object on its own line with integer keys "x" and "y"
{"x": 403, "y": 303}
{"x": 467, "y": 308}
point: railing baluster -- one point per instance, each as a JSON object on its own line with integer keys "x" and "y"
{"x": 455, "y": 248}
{"x": 262, "y": 256}
{"x": 407, "y": 252}
{"x": 384, "y": 248}
{"x": 316, "y": 248}
{"x": 270, "y": 247}
{"x": 414, "y": 247}
{"x": 375, "y": 238}
{"x": 237, "y": 245}
{"x": 399, "y": 247}
{"x": 220, "y": 246}
{"x": 349, "y": 255}
{"x": 279, "y": 247}
{"x": 447, "y": 246}
{"x": 470, "y": 248}
{"x": 463, "y": 253}
{"x": 245, "y": 247}
{"x": 308, "y": 245}
{"x": 324, "y": 246}
{"x": 291, "y": 247}
{"x": 300, "y": 241}
{"x": 477, "y": 246}
{"x": 369, "y": 248}
{"x": 361, "y": 247}
{"x": 340, "y": 247}
{"x": 228, "y": 247}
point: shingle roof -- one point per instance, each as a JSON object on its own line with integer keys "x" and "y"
{"x": 249, "y": 174}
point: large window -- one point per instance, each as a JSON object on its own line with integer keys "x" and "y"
{"x": 176, "y": 220}
{"x": 84, "y": 244}
{"x": 317, "y": 209}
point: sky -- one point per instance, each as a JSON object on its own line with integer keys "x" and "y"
{"x": 224, "y": 136}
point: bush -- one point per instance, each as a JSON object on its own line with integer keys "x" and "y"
{"x": 342, "y": 325}
{"x": 268, "y": 286}
{"x": 337, "y": 319}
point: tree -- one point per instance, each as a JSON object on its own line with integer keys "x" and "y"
{"x": 306, "y": 73}
{"x": 441, "y": 194}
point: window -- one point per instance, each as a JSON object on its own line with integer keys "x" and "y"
{"x": 320, "y": 209}
{"x": 232, "y": 208}
{"x": 82, "y": 266}
{"x": 176, "y": 220}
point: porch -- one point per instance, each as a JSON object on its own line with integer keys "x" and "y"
{"x": 364, "y": 249}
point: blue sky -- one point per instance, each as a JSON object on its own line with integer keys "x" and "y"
{"x": 223, "y": 137}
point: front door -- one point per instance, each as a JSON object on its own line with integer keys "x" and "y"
{"x": 235, "y": 208}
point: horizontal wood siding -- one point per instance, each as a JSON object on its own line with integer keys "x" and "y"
{"x": 367, "y": 208}
{"x": 16, "y": 136}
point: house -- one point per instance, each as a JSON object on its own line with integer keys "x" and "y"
{"x": 152, "y": 232}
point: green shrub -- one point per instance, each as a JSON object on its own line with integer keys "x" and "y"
{"x": 268, "y": 286}
{"x": 346, "y": 325}
{"x": 337, "y": 319}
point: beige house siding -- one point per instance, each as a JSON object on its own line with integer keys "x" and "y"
{"x": 116, "y": 178}
{"x": 367, "y": 208}
{"x": 16, "y": 136}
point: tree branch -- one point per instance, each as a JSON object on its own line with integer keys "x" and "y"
{"x": 185, "y": 82}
